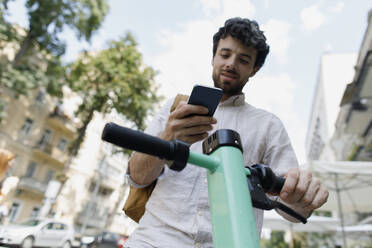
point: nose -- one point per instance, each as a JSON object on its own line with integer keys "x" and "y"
{"x": 230, "y": 62}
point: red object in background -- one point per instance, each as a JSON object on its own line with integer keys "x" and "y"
{"x": 122, "y": 241}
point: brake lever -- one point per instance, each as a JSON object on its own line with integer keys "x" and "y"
{"x": 263, "y": 180}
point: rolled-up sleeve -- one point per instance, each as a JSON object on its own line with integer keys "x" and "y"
{"x": 155, "y": 127}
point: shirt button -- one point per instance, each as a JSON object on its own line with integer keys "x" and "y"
{"x": 206, "y": 180}
{"x": 200, "y": 213}
{"x": 197, "y": 245}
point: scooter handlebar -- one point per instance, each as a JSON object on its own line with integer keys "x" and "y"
{"x": 127, "y": 138}
{"x": 137, "y": 141}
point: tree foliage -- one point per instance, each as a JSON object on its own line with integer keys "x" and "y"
{"x": 115, "y": 78}
{"x": 276, "y": 241}
{"x": 38, "y": 47}
{"x": 47, "y": 19}
{"x": 7, "y": 31}
{"x": 315, "y": 240}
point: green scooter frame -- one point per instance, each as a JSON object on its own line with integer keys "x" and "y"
{"x": 231, "y": 206}
{"x": 233, "y": 222}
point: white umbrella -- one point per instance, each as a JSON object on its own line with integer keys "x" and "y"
{"x": 349, "y": 184}
{"x": 358, "y": 232}
{"x": 367, "y": 228}
{"x": 274, "y": 221}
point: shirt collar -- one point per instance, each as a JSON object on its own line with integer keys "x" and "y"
{"x": 237, "y": 100}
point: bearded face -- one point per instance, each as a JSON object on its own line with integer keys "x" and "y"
{"x": 233, "y": 65}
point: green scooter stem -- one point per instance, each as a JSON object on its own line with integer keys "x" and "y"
{"x": 233, "y": 221}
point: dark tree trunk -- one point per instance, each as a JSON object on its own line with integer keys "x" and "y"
{"x": 81, "y": 133}
{"x": 25, "y": 47}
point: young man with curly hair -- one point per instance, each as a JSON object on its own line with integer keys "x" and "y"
{"x": 177, "y": 213}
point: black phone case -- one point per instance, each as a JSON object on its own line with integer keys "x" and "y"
{"x": 206, "y": 96}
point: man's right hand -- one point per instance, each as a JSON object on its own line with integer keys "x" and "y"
{"x": 188, "y": 123}
{"x": 185, "y": 123}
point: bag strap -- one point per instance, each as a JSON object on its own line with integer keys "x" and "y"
{"x": 177, "y": 100}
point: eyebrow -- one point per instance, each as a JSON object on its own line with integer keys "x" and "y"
{"x": 241, "y": 54}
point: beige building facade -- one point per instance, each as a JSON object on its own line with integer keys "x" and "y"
{"x": 96, "y": 189}
{"x": 36, "y": 130}
{"x": 352, "y": 138}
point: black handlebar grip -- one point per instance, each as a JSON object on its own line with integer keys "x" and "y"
{"x": 138, "y": 141}
{"x": 277, "y": 185}
{"x": 269, "y": 181}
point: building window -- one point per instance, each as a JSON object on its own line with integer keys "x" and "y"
{"x": 62, "y": 144}
{"x": 31, "y": 169}
{"x": 26, "y": 127}
{"x": 49, "y": 176}
{"x": 35, "y": 211}
{"x": 14, "y": 210}
{"x": 45, "y": 138}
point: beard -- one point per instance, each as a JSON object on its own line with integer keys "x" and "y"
{"x": 228, "y": 88}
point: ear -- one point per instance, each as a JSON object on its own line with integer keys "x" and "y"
{"x": 212, "y": 61}
{"x": 256, "y": 69}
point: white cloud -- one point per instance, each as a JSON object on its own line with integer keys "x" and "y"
{"x": 275, "y": 93}
{"x": 277, "y": 34}
{"x": 312, "y": 18}
{"x": 209, "y": 6}
{"x": 339, "y": 7}
{"x": 187, "y": 60}
{"x": 224, "y": 9}
{"x": 242, "y": 8}
{"x": 328, "y": 47}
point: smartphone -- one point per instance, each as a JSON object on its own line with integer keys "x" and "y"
{"x": 206, "y": 96}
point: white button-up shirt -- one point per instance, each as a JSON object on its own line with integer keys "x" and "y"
{"x": 177, "y": 213}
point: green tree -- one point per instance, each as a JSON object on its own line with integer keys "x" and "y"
{"x": 276, "y": 241}
{"x": 114, "y": 78}
{"x": 38, "y": 47}
{"x": 47, "y": 19}
{"x": 314, "y": 239}
{"x": 7, "y": 31}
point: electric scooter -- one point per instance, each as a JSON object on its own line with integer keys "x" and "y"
{"x": 233, "y": 188}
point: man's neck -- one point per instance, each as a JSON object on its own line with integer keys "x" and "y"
{"x": 225, "y": 97}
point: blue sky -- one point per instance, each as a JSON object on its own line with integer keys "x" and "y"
{"x": 175, "y": 38}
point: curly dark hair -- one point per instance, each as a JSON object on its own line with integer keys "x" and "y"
{"x": 248, "y": 32}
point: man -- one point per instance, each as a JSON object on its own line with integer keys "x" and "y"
{"x": 177, "y": 213}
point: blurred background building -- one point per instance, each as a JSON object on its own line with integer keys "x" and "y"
{"x": 336, "y": 70}
{"x": 339, "y": 134}
{"x": 38, "y": 131}
{"x": 352, "y": 139}
{"x": 89, "y": 189}
{"x": 341, "y": 118}
{"x": 96, "y": 190}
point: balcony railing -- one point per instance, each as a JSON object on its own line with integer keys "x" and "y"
{"x": 59, "y": 119}
{"x": 46, "y": 147}
{"x": 52, "y": 151}
{"x": 32, "y": 184}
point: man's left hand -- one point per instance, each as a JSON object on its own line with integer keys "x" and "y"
{"x": 302, "y": 192}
